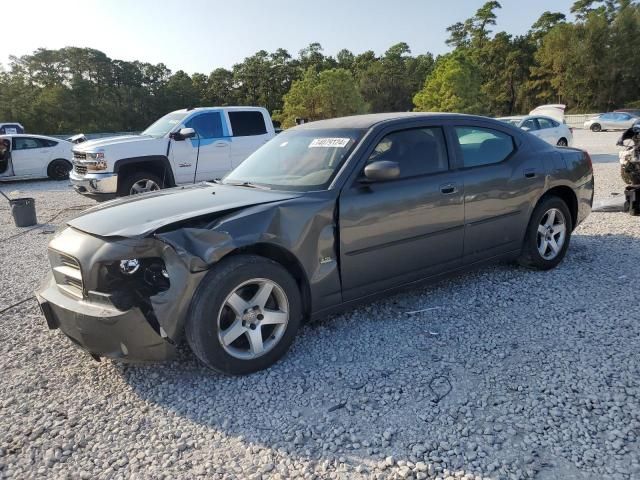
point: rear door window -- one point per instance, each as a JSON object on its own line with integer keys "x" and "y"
{"x": 247, "y": 123}
{"x": 483, "y": 146}
{"x": 544, "y": 123}
{"x": 530, "y": 125}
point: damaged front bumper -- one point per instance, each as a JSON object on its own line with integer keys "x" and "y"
{"x": 122, "y": 317}
{"x": 103, "y": 330}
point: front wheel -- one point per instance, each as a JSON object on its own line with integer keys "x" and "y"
{"x": 548, "y": 234}
{"x": 244, "y": 315}
{"x": 140, "y": 182}
{"x": 563, "y": 142}
{"x": 596, "y": 127}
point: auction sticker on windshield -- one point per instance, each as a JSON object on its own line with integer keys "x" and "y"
{"x": 329, "y": 142}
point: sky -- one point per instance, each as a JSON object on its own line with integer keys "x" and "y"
{"x": 201, "y": 35}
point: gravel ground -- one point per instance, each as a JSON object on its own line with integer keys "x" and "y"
{"x": 505, "y": 374}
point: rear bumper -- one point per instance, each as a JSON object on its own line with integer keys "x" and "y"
{"x": 99, "y": 185}
{"x": 102, "y": 330}
{"x": 585, "y": 194}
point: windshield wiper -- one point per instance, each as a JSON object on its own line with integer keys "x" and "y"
{"x": 246, "y": 184}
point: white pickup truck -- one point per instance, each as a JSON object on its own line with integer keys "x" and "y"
{"x": 184, "y": 146}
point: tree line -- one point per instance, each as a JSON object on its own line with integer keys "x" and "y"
{"x": 589, "y": 63}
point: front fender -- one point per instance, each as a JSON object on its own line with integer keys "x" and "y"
{"x": 305, "y": 228}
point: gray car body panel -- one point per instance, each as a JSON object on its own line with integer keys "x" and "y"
{"x": 350, "y": 242}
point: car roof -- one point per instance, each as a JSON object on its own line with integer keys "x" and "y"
{"x": 371, "y": 119}
{"x": 214, "y": 109}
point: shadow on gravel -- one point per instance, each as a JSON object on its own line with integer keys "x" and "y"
{"x": 504, "y": 372}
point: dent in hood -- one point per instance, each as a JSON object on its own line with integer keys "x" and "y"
{"x": 141, "y": 215}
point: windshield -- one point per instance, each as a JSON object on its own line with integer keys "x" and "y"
{"x": 164, "y": 125}
{"x": 297, "y": 160}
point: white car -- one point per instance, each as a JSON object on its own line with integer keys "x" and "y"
{"x": 34, "y": 156}
{"x": 185, "y": 146}
{"x": 610, "y": 121}
{"x": 547, "y": 128}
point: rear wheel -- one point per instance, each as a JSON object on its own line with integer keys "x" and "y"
{"x": 596, "y": 127}
{"x": 548, "y": 234}
{"x": 140, "y": 182}
{"x": 563, "y": 142}
{"x": 244, "y": 316}
{"x": 59, "y": 169}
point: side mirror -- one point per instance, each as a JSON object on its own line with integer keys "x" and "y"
{"x": 381, "y": 171}
{"x": 183, "y": 134}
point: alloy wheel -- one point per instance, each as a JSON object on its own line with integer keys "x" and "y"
{"x": 253, "y": 318}
{"x": 144, "y": 185}
{"x": 552, "y": 233}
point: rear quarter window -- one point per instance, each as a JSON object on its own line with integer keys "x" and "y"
{"x": 245, "y": 124}
{"x": 483, "y": 146}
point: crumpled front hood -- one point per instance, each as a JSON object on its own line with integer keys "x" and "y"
{"x": 92, "y": 145}
{"x": 141, "y": 215}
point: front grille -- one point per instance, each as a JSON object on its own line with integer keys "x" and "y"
{"x": 79, "y": 155}
{"x": 80, "y": 169}
{"x": 67, "y": 272}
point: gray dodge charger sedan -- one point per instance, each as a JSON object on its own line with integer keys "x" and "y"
{"x": 324, "y": 216}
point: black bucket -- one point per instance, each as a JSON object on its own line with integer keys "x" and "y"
{"x": 23, "y": 211}
{"x": 632, "y": 196}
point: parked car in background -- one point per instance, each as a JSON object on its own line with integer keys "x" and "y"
{"x": 35, "y": 156}
{"x": 11, "y": 128}
{"x": 184, "y": 146}
{"x": 631, "y": 111}
{"x": 326, "y": 215}
{"x": 610, "y": 121}
{"x": 546, "y": 128}
{"x": 554, "y": 110}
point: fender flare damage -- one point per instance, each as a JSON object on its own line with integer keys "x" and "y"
{"x": 194, "y": 249}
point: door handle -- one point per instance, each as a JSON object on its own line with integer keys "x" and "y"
{"x": 448, "y": 188}
{"x": 220, "y": 144}
{"x": 530, "y": 173}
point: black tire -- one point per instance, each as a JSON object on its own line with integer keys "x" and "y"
{"x": 531, "y": 256}
{"x": 596, "y": 127}
{"x": 125, "y": 185}
{"x": 202, "y": 329}
{"x": 59, "y": 169}
{"x": 563, "y": 142}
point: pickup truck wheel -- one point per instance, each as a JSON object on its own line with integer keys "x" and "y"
{"x": 59, "y": 169}
{"x": 244, "y": 315}
{"x": 140, "y": 182}
{"x": 548, "y": 234}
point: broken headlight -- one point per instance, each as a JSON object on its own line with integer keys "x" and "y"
{"x": 130, "y": 281}
{"x": 129, "y": 267}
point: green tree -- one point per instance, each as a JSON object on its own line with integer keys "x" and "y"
{"x": 454, "y": 86}
{"x": 327, "y": 94}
